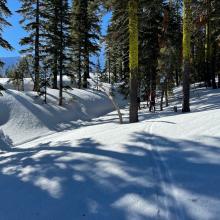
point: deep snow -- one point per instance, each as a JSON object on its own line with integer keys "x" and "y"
{"x": 24, "y": 117}
{"x": 164, "y": 167}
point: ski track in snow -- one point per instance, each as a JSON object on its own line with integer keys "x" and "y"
{"x": 164, "y": 191}
{"x": 165, "y": 195}
{"x": 166, "y": 181}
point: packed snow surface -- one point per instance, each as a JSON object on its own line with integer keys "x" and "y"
{"x": 166, "y": 167}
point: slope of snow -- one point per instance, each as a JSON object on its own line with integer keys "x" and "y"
{"x": 166, "y": 167}
{"x": 23, "y": 116}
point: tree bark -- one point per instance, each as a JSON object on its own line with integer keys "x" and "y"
{"x": 61, "y": 55}
{"x": 186, "y": 54}
{"x": 55, "y": 72}
{"x": 177, "y": 77}
{"x": 208, "y": 46}
{"x": 161, "y": 99}
{"x": 37, "y": 55}
{"x": 166, "y": 94}
{"x": 214, "y": 46}
{"x": 55, "y": 58}
{"x": 186, "y": 87}
{"x": 133, "y": 60}
{"x": 86, "y": 49}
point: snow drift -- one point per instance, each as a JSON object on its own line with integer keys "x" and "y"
{"x": 23, "y": 116}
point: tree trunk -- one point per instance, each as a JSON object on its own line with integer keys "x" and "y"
{"x": 214, "y": 85}
{"x": 177, "y": 78}
{"x": 55, "y": 72}
{"x": 109, "y": 67}
{"x": 219, "y": 80}
{"x": 55, "y": 58}
{"x": 111, "y": 97}
{"x": 86, "y": 49}
{"x": 161, "y": 100}
{"x": 186, "y": 86}
{"x": 61, "y": 55}
{"x": 79, "y": 68}
{"x": 133, "y": 59}
{"x": 86, "y": 73}
{"x": 186, "y": 54}
{"x": 208, "y": 46}
{"x": 37, "y": 55}
{"x": 166, "y": 94}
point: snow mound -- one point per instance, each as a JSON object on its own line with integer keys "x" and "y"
{"x": 24, "y": 116}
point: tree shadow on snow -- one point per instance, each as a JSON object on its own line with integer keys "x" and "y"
{"x": 5, "y": 142}
{"x": 86, "y": 180}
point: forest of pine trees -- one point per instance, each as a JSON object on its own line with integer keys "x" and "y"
{"x": 150, "y": 46}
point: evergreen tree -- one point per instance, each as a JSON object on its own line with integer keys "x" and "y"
{"x": 52, "y": 39}
{"x": 150, "y": 32}
{"x": 85, "y": 25}
{"x": 76, "y": 41}
{"x": 33, "y": 13}
{"x": 63, "y": 33}
{"x": 98, "y": 73}
{"x": 133, "y": 59}
{"x": 85, "y": 34}
{"x": 117, "y": 46}
{"x": 187, "y": 29}
{"x": 4, "y": 12}
{"x": 19, "y": 72}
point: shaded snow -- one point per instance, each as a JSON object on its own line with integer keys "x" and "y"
{"x": 166, "y": 167}
{"x": 23, "y": 116}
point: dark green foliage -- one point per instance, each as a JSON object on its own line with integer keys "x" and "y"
{"x": 4, "y": 13}
{"x": 85, "y": 34}
{"x": 33, "y": 12}
{"x": 117, "y": 46}
{"x": 19, "y": 72}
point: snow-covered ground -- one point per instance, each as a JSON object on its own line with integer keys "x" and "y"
{"x": 24, "y": 117}
{"x": 166, "y": 167}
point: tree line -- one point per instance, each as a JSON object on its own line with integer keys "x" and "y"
{"x": 149, "y": 45}
{"x": 156, "y": 45}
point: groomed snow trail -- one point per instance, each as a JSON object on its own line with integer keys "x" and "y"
{"x": 165, "y": 193}
{"x": 166, "y": 167}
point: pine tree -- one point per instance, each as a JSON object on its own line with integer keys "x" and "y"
{"x": 19, "y": 72}
{"x": 150, "y": 30}
{"x": 52, "y": 39}
{"x": 205, "y": 41}
{"x": 216, "y": 40}
{"x": 33, "y": 13}
{"x": 85, "y": 25}
{"x": 4, "y": 12}
{"x": 76, "y": 41}
{"x": 63, "y": 33}
{"x": 98, "y": 73}
{"x": 133, "y": 59}
{"x": 117, "y": 46}
{"x": 187, "y": 28}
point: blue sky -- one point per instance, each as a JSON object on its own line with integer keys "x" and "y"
{"x": 15, "y": 33}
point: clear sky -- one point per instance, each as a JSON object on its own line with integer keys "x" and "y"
{"x": 15, "y": 33}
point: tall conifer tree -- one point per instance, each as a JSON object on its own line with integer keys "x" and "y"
{"x": 133, "y": 59}
{"x": 187, "y": 29}
{"x": 4, "y": 12}
{"x": 32, "y": 12}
